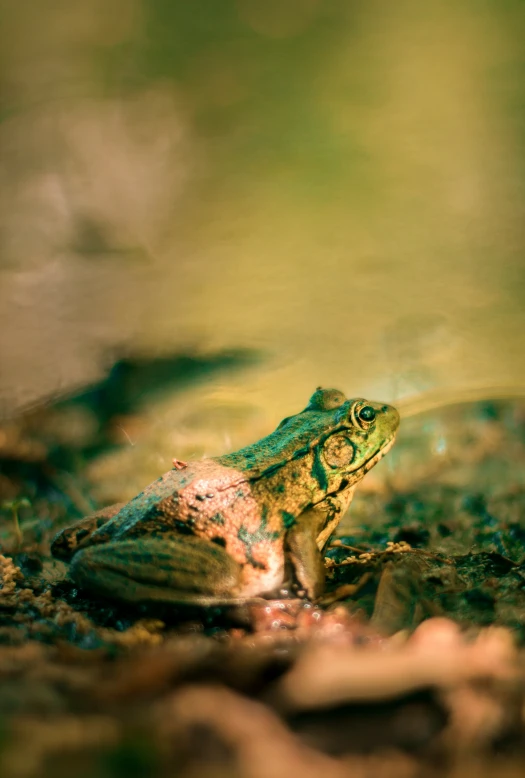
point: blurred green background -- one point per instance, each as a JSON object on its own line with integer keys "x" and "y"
{"x": 335, "y": 188}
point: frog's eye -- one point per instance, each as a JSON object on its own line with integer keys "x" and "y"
{"x": 367, "y": 414}
{"x": 363, "y": 416}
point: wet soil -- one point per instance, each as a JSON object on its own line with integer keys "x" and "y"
{"x": 411, "y": 664}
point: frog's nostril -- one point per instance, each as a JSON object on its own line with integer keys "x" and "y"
{"x": 384, "y": 408}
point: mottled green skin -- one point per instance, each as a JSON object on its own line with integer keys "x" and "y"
{"x": 242, "y": 525}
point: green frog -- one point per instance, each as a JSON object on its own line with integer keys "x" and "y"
{"x": 232, "y": 528}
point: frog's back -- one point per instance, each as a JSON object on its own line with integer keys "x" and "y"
{"x": 293, "y": 438}
{"x": 172, "y": 501}
{"x": 209, "y": 493}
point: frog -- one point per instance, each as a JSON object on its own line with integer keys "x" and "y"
{"x": 238, "y": 527}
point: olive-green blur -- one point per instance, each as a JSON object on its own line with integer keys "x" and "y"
{"x": 332, "y": 188}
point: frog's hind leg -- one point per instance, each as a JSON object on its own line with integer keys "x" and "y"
{"x": 174, "y": 568}
{"x": 70, "y": 539}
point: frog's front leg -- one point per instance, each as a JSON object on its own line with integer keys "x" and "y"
{"x": 174, "y": 568}
{"x": 309, "y": 536}
{"x": 306, "y": 558}
{"x": 304, "y": 554}
{"x": 68, "y": 541}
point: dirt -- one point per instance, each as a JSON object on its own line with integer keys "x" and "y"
{"x": 412, "y": 664}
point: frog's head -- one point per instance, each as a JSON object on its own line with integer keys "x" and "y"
{"x": 345, "y": 437}
{"x": 357, "y": 435}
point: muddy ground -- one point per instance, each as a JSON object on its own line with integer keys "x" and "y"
{"x": 412, "y": 664}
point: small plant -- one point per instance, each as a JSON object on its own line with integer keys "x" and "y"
{"x": 14, "y": 506}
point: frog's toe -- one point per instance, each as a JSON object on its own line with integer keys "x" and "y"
{"x": 178, "y": 569}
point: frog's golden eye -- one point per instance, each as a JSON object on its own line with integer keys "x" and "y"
{"x": 362, "y": 415}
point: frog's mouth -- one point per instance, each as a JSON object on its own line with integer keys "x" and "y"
{"x": 385, "y": 448}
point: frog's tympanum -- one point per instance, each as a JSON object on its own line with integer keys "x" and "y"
{"x": 239, "y": 526}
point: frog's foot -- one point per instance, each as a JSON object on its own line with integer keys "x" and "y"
{"x": 69, "y": 540}
{"x": 178, "y": 569}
